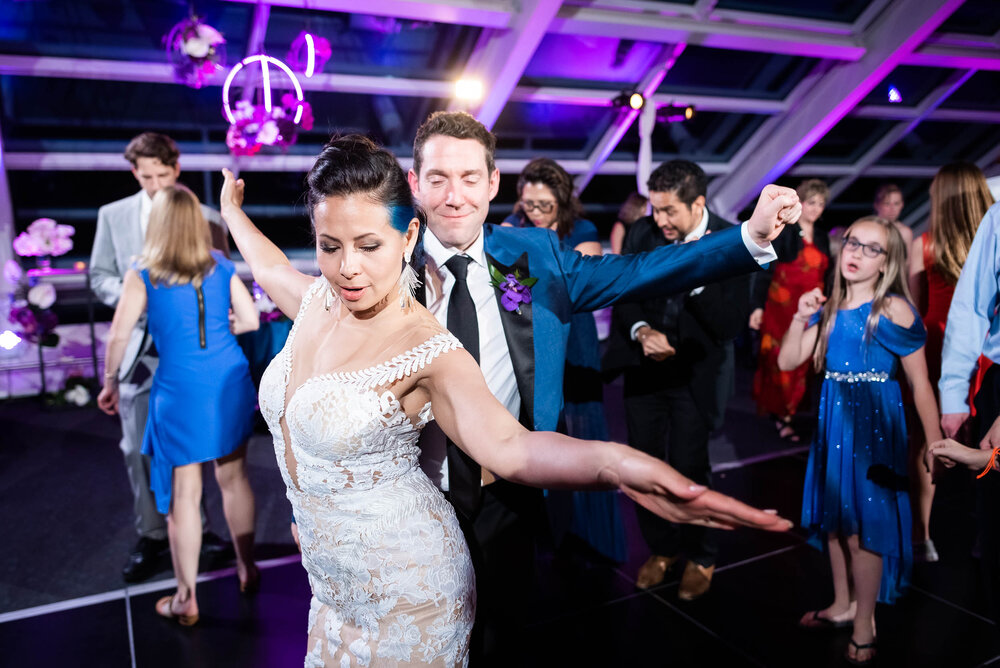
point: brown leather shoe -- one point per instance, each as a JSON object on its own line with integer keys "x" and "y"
{"x": 695, "y": 581}
{"x": 653, "y": 571}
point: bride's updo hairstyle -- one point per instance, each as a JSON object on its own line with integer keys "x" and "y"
{"x": 355, "y": 165}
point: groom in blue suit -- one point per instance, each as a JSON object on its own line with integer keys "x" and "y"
{"x": 508, "y": 294}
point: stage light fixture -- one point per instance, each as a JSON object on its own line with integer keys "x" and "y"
{"x": 630, "y": 99}
{"x": 469, "y": 90}
{"x": 674, "y": 114}
{"x": 895, "y": 97}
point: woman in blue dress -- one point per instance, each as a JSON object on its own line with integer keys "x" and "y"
{"x": 201, "y": 405}
{"x": 546, "y": 199}
{"x": 855, "y": 499}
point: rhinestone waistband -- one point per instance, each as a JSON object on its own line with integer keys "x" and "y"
{"x": 863, "y": 377}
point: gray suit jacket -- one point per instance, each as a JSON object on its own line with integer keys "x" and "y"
{"x": 117, "y": 243}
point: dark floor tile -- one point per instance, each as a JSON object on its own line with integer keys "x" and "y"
{"x": 96, "y": 635}
{"x": 267, "y": 629}
{"x": 638, "y": 632}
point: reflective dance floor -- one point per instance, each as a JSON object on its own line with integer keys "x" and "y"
{"x": 65, "y": 519}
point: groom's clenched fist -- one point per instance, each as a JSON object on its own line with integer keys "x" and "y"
{"x": 776, "y": 207}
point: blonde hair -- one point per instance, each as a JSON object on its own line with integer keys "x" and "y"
{"x": 178, "y": 240}
{"x": 891, "y": 281}
{"x": 811, "y": 187}
{"x": 959, "y": 200}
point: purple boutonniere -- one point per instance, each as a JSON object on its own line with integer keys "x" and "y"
{"x": 515, "y": 288}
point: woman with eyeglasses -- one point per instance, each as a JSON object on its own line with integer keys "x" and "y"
{"x": 959, "y": 201}
{"x": 802, "y": 265}
{"x": 546, "y": 199}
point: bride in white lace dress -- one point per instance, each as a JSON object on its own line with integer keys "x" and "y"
{"x": 346, "y": 399}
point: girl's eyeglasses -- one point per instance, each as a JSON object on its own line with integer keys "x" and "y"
{"x": 868, "y": 250}
{"x": 543, "y": 207}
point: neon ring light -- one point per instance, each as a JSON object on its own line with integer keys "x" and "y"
{"x": 264, "y": 61}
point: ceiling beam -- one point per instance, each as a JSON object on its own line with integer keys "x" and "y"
{"x": 900, "y": 130}
{"x": 193, "y": 162}
{"x": 895, "y": 33}
{"x": 957, "y": 57}
{"x": 481, "y": 13}
{"x": 626, "y": 116}
{"x": 501, "y": 56}
{"x": 653, "y": 27}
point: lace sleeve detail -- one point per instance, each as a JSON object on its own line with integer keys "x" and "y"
{"x": 404, "y": 364}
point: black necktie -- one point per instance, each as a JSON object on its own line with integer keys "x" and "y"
{"x": 464, "y": 474}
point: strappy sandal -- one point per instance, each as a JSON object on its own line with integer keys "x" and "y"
{"x": 165, "y": 608}
{"x": 858, "y": 648}
{"x": 815, "y": 622}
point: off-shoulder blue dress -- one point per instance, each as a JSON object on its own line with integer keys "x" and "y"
{"x": 202, "y": 402}
{"x": 856, "y": 480}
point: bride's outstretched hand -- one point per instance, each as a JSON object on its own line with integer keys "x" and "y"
{"x": 232, "y": 192}
{"x": 661, "y": 489}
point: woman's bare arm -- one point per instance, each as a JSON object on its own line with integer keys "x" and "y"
{"x": 469, "y": 414}
{"x": 269, "y": 265}
{"x": 245, "y": 317}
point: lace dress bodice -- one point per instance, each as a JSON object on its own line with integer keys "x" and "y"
{"x": 391, "y": 577}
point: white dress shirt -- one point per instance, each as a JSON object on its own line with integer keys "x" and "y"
{"x": 494, "y": 356}
{"x": 145, "y": 206}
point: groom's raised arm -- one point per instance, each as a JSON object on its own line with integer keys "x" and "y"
{"x": 596, "y": 282}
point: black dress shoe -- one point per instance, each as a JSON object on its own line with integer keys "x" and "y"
{"x": 145, "y": 558}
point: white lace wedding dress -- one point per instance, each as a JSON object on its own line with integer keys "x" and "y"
{"x": 390, "y": 572}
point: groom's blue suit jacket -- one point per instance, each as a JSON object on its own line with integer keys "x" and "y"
{"x": 569, "y": 282}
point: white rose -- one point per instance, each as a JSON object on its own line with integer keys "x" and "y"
{"x": 78, "y": 396}
{"x": 268, "y": 133}
{"x": 195, "y": 47}
{"x": 42, "y": 295}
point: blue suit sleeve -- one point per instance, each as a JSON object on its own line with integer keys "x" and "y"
{"x": 594, "y": 282}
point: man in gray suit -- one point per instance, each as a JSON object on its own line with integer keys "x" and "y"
{"x": 121, "y": 230}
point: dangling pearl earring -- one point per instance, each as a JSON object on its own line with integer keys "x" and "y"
{"x": 408, "y": 283}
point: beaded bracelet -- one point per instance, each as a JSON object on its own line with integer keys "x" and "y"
{"x": 991, "y": 465}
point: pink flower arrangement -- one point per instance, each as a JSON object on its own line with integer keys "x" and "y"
{"x": 195, "y": 50}
{"x": 44, "y": 237}
{"x": 256, "y": 127}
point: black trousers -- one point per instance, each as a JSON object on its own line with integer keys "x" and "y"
{"x": 988, "y": 491}
{"x": 666, "y": 424}
{"x": 501, "y": 540}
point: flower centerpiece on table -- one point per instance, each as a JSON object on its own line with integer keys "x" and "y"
{"x": 256, "y": 127}
{"x": 29, "y": 306}
{"x": 196, "y": 51}
{"x": 43, "y": 239}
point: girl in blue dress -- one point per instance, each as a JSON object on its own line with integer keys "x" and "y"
{"x": 201, "y": 405}
{"x": 855, "y": 497}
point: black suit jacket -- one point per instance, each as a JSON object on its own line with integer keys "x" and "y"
{"x": 787, "y": 247}
{"x": 701, "y": 327}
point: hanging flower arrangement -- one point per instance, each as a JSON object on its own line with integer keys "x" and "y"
{"x": 255, "y": 126}
{"x": 44, "y": 237}
{"x": 309, "y": 53}
{"x": 196, "y": 51}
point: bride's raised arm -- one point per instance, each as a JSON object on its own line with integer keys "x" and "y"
{"x": 469, "y": 414}
{"x": 270, "y": 267}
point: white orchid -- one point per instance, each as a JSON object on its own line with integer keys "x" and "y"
{"x": 42, "y": 295}
{"x": 44, "y": 237}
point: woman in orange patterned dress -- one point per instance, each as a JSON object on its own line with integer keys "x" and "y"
{"x": 803, "y": 260}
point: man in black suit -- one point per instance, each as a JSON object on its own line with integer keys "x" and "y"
{"x": 677, "y": 355}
